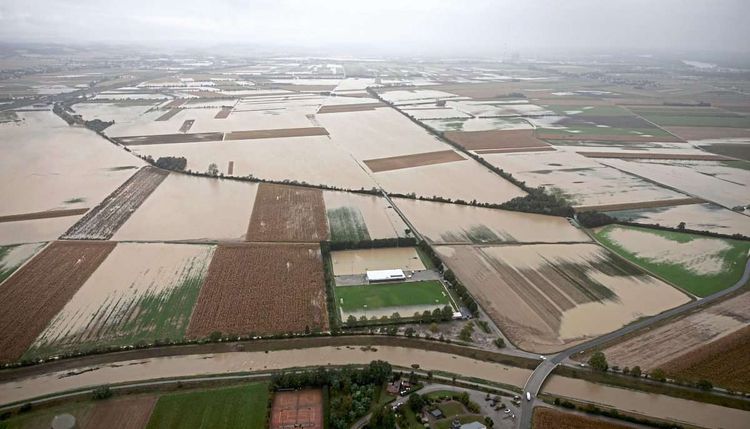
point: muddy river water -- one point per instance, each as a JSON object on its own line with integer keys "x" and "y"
{"x": 223, "y": 363}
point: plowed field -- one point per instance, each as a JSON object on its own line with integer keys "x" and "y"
{"x": 107, "y": 217}
{"x": 415, "y": 160}
{"x": 288, "y": 213}
{"x": 547, "y": 418}
{"x": 40, "y": 289}
{"x": 261, "y": 289}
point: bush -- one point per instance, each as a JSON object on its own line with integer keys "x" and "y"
{"x": 499, "y": 343}
{"x": 102, "y": 392}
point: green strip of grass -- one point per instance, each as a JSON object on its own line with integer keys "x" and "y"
{"x": 735, "y": 258}
{"x": 392, "y": 295}
{"x": 234, "y": 407}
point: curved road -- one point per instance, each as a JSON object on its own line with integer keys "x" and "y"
{"x": 535, "y": 381}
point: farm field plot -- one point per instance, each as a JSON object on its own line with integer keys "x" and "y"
{"x": 261, "y": 288}
{"x": 379, "y": 133}
{"x": 107, "y": 217}
{"x": 12, "y": 257}
{"x": 583, "y": 182}
{"x": 169, "y": 138}
{"x": 121, "y": 413}
{"x": 692, "y": 116}
{"x": 58, "y": 167}
{"x": 209, "y": 209}
{"x": 288, "y": 213}
{"x": 544, "y": 296}
{"x": 477, "y": 124}
{"x": 443, "y": 223}
{"x": 355, "y": 217}
{"x": 235, "y": 407}
{"x": 142, "y": 292}
{"x": 48, "y": 214}
{"x": 652, "y": 155}
{"x": 359, "y": 261}
{"x": 549, "y": 418}
{"x": 414, "y": 160}
{"x": 40, "y": 289}
{"x": 701, "y": 265}
{"x": 377, "y": 300}
{"x": 722, "y": 362}
{"x": 703, "y": 133}
{"x": 670, "y": 342}
{"x": 304, "y": 159}
{"x": 734, "y": 150}
{"x": 354, "y": 107}
{"x": 300, "y": 408}
{"x": 34, "y": 231}
{"x": 465, "y": 181}
{"x": 277, "y": 133}
{"x": 686, "y": 179}
{"x": 497, "y": 140}
{"x": 699, "y": 217}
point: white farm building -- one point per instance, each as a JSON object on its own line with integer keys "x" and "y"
{"x": 385, "y": 276}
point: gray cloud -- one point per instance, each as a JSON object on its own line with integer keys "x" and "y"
{"x": 483, "y": 27}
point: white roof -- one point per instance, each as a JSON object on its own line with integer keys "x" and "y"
{"x": 385, "y": 274}
{"x": 473, "y": 425}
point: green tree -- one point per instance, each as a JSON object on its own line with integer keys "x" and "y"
{"x": 598, "y": 361}
{"x": 351, "y": 320}
{"x": 213, "y": 169}
{"x": 499, "y": 343}
{"x": 658, "y": 374}
{"x": 415, "y": 402}
{"x": 447, "y": 313}
{"x": 704, "y": 384}
{"x": 383, "y": 418}
{"x": 489, "y": 422}
{"x": 636, "y": 371}
{"x": 102, "y": 392}
{"x": 395, "y": 316}
{"x": 409, "y": 331}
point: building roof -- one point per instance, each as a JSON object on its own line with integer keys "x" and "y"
{"x": 382, "y": 275}
{"x": 436, "y": 412}
{"x": 473, "y": 425}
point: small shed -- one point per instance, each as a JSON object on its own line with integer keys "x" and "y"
{"x": 378, "y": 276}
{"x": 436, "y": 413}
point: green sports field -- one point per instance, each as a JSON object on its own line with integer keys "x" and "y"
{"x": 233, "y": 407}
{"x": 375, "y": 296}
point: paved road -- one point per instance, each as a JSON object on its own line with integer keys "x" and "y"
{"x": 535, "y": 381}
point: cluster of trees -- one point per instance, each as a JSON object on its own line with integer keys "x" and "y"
{"x": 462, "y": 292}
{"x": 372, "y": 244}
{"x": 169, "y": 162}
{"x": 466, "y": 332}
{"x": 98, "y": 125}
{"x": 352, "y": 390}
{"x": 537, "y": 200}
{"x": 594, "y": 219}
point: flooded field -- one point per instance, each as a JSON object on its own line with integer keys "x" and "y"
{"x": 57, "y": 166}
{"x": 655, "y": 347}
{"x": 12, "y": 257}
{"x": 450, "y": 223}
{"x": 352, "y": 262}
{"x": 380, "y": 133}
{"x": 304, "y": 159}
{"x": 141, "y": 292}
{"x": 698, "y": 217}
{"x": 209, "y": 209}
{"x": 583, "y": 181}
{"x": 701, "y": 265}
{"x": 466, "y": 181}
{"x": 359, "y": 216}
{"x": 544, "y": 296}
{"x": 32, "y": 231}
{"x": 686, "y": 179}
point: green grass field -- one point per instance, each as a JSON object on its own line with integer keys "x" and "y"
{"x": 354, "y": 298}
{"x": 233, "y": 407}
{"x": 347, "y": 224}
{"x": 735, "y": 258}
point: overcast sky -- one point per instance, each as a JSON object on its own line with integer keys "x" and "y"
{"x": 470, "y": 27}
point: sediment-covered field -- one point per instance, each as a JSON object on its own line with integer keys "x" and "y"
{"x": 443, "y": 223}
{"x": 288, "y": 213}
{"x": 496, "y": 139}
{"x": 355, "y": 217}
{"x": 697, "y": 217}
{"x": 262, "y": 289}
{"x": 107, "y": 217}
{"x": 352, "y": 262}
{"x": 544, "y": 296}
{"x": 142, "y": 292}
{"x": 41, "y": 288}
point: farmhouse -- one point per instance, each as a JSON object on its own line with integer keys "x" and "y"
{"x": 385, "y": 275}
